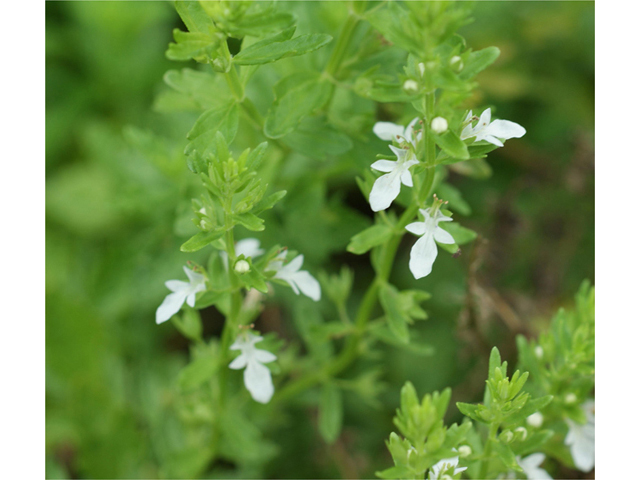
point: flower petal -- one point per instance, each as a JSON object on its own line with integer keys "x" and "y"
{"x": 194, "y": 277}
{"x": 406, "y": 179}
{"x": 385, "y": 189}
{"x": 257, "y": 379}
{"x": 417, "y": 228}
{"x": 384, "y": 165}
{"x": 387, "y": 131}
{"x": 191, "y": 299}
{"x": 423, "y": 254}
{"x": 308, "y": 285}
{"x": 490, "y": 139}
{"x": 485, "y": 119}
{"x": 263, "y": 356}
{"x": 249, "y": 247}
{"x": 505, "y": 129}
{"x": 408, "y": 132}
{"x": 169, "y": 306}
{"x": 442, "y": 236}
{"x": 239, "y": 362}
{"x": 176, "y": 285}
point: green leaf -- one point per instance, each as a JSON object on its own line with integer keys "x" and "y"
{"x": 280, "y": 46}
{"x": 197, "y": 372}
{"x": 400, "y": 472}
{"x": 470, "y": 410}
{"x": 249, "y": 221}
{"x": 194, "y": 16}
{"x": 201, "y": 240}
{"x": 330, "y": 414}
{"x": 316, "y": 139}
{"x": 297, "y": 96}
{"x": 203, "y": 134}
{"x": 451, "y": 144}
{"x": 460, "y": 234}
{"x": 268, "y": 202}
{"x": 198, "y": 46}
{"x": 396, "y": 318}
{"x": 478, "y": 61}
{"x": 507, "y": 456}
{"x": 254, "y": 278}
{"x": 369, "y": 238}
{"x": 398, "y": 26}
{"x": 189, "y": 325}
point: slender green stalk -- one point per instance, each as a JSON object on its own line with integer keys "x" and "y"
{"x": 493, "y": 431}
{"x": 342, "y": 44}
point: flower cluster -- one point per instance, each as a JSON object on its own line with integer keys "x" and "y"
{"x": 581, "y": 439}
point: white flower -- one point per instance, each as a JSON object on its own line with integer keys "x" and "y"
{"x": 257, "y": 377}
{"x": 410, "y": 86}
{"x": 299, "y": 280}
{"x": 490, "y": 131}
{"x": 445, "y": 464}
{"x": 531, "y": 467}
{"x": 581, "y": 439}
{"x": 392, "y": 132}
{"x": 424, "y": 251}
{"x": 387, "y": 187}
{"x": 249, "y": 247}
{"x": 182, "y": 291}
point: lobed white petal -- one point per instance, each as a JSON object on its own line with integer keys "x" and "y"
{"x": 249, "y": 247}
{"x": 171, "y": 305}
{"x": 417, "y": 228}
{"x": 263, "y": 356}
{"x": 387, "y": 131}
{"x": 385, "y": 190}
{"x": 385, "y": 166}
{"x": 442, "y": 236}
{"x": 239, "y": 362}
{"x": 257, "y": 379}
{"x": 308, "y": 285}
{"x": 176, "y": 285}
{"x": 422, "y": 255}
{"x": 505, "y": 129}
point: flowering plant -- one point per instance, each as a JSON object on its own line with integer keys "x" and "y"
{"x": 317, "y": 186}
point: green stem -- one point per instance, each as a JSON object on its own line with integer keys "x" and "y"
{"x": 342, "y": 44}
{"x": 486, "y": 456}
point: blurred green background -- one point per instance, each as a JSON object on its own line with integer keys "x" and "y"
{"x": 118, "y": 208}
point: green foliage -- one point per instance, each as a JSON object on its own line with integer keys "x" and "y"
{"x": 129, "y": 399}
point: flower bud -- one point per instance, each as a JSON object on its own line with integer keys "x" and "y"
{"x": 439, "y": 125}
{"x": 535, "y": 419}
{"x": 410, "y": 86}
{"x": 456, "y": 64}
{"x": 242, "y": 266}
{"x": 570, "y": 398}
{"x": 538, "y": 352}
{"x": 421, "y": 69}
{"x": 506, "y": 436}
{"x": 521, "y": 434}
{"x": 464, "y": 451}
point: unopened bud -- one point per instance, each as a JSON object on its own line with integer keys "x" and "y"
{"x": 464, "y": 451}
{"x": 242, "y": 266}
{"x": 535, "y": 419}
{"x": 203, "y": 211}
{"x": 456, "y": 63}
{"x": 421, "y": 69}
{"x": 410, "y": 86}
{"x": 570, "y": 398}
{"x": 521, "y": 433}
{"x": 538, "y": 352}
{"x": 506, "y": 436}
{"x": 439, "y": 125}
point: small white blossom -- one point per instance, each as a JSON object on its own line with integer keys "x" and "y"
{"x": 456, "y": 63}
{"x": 181, "y": 292}
{"x": 439, "y": 125}
{"x": 424, "y": 251}
{"x": 391, "y": 132}
{"x": 249, "y": 247}
{"x": 570, "y": 398}
{"x": 445, "y": 464}
{"x": 535, "y": 420}
{"x": 490, "y": 131}
{"x": 581, "y": 439}
{"x": 531, "y": 466}
{"x": 387, "y": 187}
{"x": 299, "y": 280}
{"x": 538, "y": 352}
{"x": 257, "y": 377}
